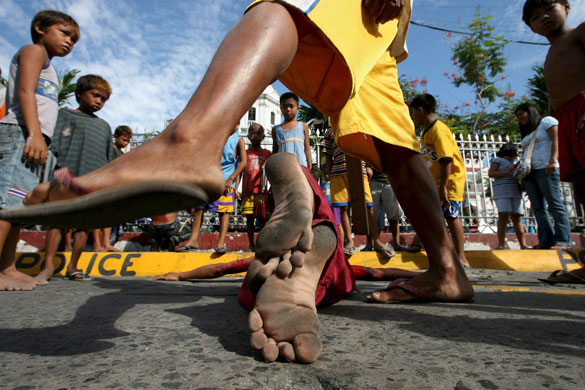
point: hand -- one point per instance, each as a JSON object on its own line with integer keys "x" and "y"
{"x": 444, "y": 198}
{"x": 382, "y": 11}
{"x": 35, "y": 150}
{"x": 550, "y": 168}
{"x": 228, "y": 185}
{"x": 168, "y": 276}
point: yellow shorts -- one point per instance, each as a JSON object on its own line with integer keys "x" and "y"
{"x": 343, "y": 67}
{"x": 340, "y": 195}
{"x": 249, "y": 202}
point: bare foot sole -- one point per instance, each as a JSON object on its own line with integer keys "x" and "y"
{"x": 426, "y": 287}
{"x": 284, "y": 322}
{"x": 9, "y": 284}
{"x": 287, "y": 236}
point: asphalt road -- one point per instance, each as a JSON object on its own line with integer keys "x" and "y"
{"x": 133, "y": 333}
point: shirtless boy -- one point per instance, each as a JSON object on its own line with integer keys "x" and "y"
{"x": 564, "y": 71}
{"x": 280, "y": 40}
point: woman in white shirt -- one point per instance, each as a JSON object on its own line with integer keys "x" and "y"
{"x": 543, "y": 183}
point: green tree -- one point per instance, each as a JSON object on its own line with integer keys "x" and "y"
{"x": 66, "y": 85}
{"x": 481, "y": 62}
{"x": 538, "y": 91}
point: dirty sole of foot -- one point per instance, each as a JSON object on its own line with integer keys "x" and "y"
{"x": 111, "y": 207}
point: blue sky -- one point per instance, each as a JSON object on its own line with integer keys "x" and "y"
{"x": 155, "y": 52}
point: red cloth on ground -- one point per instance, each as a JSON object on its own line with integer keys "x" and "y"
{"x": 571, "y": 147}
{"x": 337, "y": 279}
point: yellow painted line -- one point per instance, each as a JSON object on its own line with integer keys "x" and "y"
{"x": 502, "y": 288}
{"x": 154, "y": 263}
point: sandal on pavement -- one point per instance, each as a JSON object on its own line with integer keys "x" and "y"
{"x": 220, "y": 250}
{"x": 387, "y": 251}
{"x": 557, "y": 277}
{"x": 78, "y": 276}
{"x": 348, "y": 250}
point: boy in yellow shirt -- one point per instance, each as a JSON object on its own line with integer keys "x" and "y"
{"x": 446, "y": 164}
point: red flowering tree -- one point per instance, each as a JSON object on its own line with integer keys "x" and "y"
{"x": 480, "y": 61}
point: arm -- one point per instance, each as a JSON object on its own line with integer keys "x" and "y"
{"x": 382, "y": 11}
{"x": 494, "y": 173}
{"x": 445, "y": 172}
{"x": 31, "y": 62}
{"x": 240, "y": 151}
{"x": 328, "y": 166}
{"x": 554, "y": 149}
{"x": 308, "y": 146}
{"x": 274, "y": 144}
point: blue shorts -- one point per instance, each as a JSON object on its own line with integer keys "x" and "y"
{"x": 509, "y": 205}
{"x": 453, "y": 210}
{"x": 17, "y": 178}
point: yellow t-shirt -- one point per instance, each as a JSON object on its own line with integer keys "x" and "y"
{"x": 437, "y": 142}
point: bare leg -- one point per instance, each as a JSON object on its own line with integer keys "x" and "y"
{"x": 97, "y": 240}
{"x": 456, "y": 229}
{"x": 395, "y": 230}
{"x": 346, "y": 226}
{"x": 106, "y": 241}
{"x": 256, "y": 51}
{"x": 68, "y": 240}
{"x": 10, "y": 278}
{"x": 379, "y": 246}
{"x": 193, "y": 241}
{"x": 502, "y": 227}
{"x": 224, "y": 224}
{"x": 519, "y": 230}
{"x": 417, "y": 193}
{"x": 250, "y": 230}
{"x": 79, "y": 241}
{"x": 52, "y": 242}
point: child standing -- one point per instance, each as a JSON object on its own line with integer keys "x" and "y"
{"x": 27, "y": 128}
{"x": 507, "y": 194}
{"x": 82, "y": 143}
{"x": 101, "y": 237}
{"x": 445, "y": 163}
{"x": 291, "y": 135}
{"x": 233, "y": 162}
{"x": 565, "y": 81}
{"x": 252, "y": 180}
{"x": 336, "y": 172}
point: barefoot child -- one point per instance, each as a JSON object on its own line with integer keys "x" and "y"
{"x": 291, "y": 135}
{"x": 233, "y": 162}
{"x": 565, "y": 80}
{"x": 507, "y": 194}
{"x": 445, "y": 163}
{"x": 82, "y": 143}
{"x": 27, "y": 128}
{"x": 338, "y": 55}
{"x": 101, "y": 237}
{"x": 252, "y": 184}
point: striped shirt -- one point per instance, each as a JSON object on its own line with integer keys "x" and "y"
{"x": 505, "y": 186}
{"x": 81, "y": 142}
{"x": 339, "y": 166}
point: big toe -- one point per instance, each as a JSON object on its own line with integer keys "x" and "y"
{"x": 307, "y": 347}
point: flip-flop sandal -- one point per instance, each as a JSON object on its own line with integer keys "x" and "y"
{"x": 78, "y": 276}
{"x": 108, "y": 207}
{"x": 186, "y": 248}
{"x": 220, "y": 250}
{"x": 402, "y": 284}
{"x": 348, "y": 250}
{"x": 387, "y": 252}
{"x": 576, "y": 278}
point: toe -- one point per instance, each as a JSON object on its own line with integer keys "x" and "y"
{"x": 284, "y": 267}
{"x": 270, "y": 351}
{"x": 306, "y": 241}
{"x": 307, "y": 347}
{"x": 298, "y": 259}
{"x": 258, "y": 340}
{"x": 255, "y": 321}
{"x": 269, "y": 268}
{"x": 286, "y": 351}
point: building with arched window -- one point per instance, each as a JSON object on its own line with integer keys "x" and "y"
{"x": 266, "y": 111}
